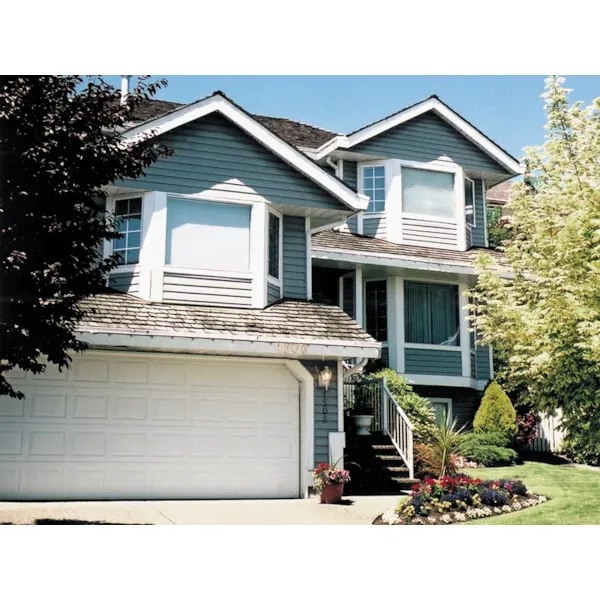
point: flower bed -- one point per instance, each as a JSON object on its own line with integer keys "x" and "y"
{"x": 460, "y": 498}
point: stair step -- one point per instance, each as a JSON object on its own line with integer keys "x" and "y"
{"x": 405, "y": 480}
{"x": 390, "y": 457}
{"x": 397, "y": 469}
{"x": 388, "y": 447}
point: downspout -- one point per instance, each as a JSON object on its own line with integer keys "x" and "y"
{"x": 333, "y": 165}
{"x": 124, "y": 87}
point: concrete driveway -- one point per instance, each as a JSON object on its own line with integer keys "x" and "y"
{"x": 357, "y": 510}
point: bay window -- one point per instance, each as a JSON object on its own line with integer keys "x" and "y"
{"x": 128, "y": 213}
{"x": 470, "y": 201}
{"x": 428, "y": 193}
{"x": 208, "y": 235}
{"x": 431, "y": 314}
{"x": 376, "y": 309}
{"x": 373, "y": 185}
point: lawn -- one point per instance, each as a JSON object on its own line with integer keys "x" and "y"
{"x": 573, "y": 494}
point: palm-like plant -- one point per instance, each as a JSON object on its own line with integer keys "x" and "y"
{"x": 435, "y": 457}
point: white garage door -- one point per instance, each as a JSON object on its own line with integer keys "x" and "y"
{"x": 118, "y": 426}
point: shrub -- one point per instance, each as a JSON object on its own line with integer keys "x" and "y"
{"x": 493, "y": 497}
{"x": 485, "y": 439}
{"x": 526, "y": 430}
{"x": 417, "y": 408}
{"x": 436, "y": 457}
{"x": 496, "y": 413}
{"x": 488, "y": 449}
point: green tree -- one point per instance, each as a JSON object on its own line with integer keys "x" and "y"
{"x": 546, "y": 317}
{"x": 499, "y": 228}
{"x": 496, "y": 414}
{"x": 60, "y": 145}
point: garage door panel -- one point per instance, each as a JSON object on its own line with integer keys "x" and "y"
{"x": 188, "y": 428}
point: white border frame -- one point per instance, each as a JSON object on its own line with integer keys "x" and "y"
{"x": 473, "y": 225}
{"x": 447, "y": 402}
{"x": 359, "y": 176}
{"x": 270, "y": 279}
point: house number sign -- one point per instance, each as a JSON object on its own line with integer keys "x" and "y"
{"x": 287, "y": 348}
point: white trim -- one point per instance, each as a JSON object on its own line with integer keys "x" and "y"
{"x": 341, "y": 292}
{"x": 308, "y": 258}
{"x": 401, "y": 333}
{"x": 447, "y": 402}
{"x": 360, "y": 183}
{"x": 307, "y": 422}
{"x": 358, "y": 296}
{"x": 359, "y": 223}
{"x": 291, "y": 155}
{"x": 228, "y": 345}
{"x": 485, "y": 209}
{"x": 259, "y": 226}
{"x": 431, "y": 104}
{"x": 431, "y": 346}
{"x": 208, "y": 272}
{"x": 446, "y": 381}
{"x": 340, "y": 168}
{"x": 340, "y": 394}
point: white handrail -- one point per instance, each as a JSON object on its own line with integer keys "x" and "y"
{"x": 398, "y": 426}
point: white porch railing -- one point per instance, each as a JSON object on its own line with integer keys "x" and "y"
{"x": 398, "y": 426}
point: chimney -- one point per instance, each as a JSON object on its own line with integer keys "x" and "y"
{"x": 124, "y": 87}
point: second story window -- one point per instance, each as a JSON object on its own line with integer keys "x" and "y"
{"x": 431, "y": 314}
{"x": 373, "y": 185}
{"x": 208, "y": 235}
{"x": 129, "y": 218}
{"x": 428, "y": 193}
{"x": 376, "y": 309}
{"x": 274, "y": 245}
{"x": 470, "y": 201}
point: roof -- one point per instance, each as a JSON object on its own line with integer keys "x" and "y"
{"x": 335, "y": 241}
{"x": 499, "y": 194}
{"x": 293, "y": 132}
{"x": 284, "y": 320}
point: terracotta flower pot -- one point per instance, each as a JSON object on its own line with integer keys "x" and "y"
{"x": 332, "y": 494}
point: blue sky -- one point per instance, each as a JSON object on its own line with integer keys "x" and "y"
{"x": 507, "y": 108}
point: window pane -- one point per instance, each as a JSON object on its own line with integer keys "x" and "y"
{"x": 120, "y": 257}
{"x": 378, "y": 194}
{"x": 120, "y": 243}
{"x": 367, "y": 171}
{"x": 135, "y": 206}
{"x": 273, "y": 246}
{"x": 208, "y": 235}
{"x": 121, "y": 207}
{"x": 133, "y": 239}
{"x": 428, "y": 193}
{"x": 134, "y": 224}
{"x": 431, "y": 314}
{"x": 441, "y": 412}
{"x": 123, "y": 224}
{"x": 379, "y": 171}
{"x": 376, "y": 309}
{"x": 133, "y": 256}
{"x": 373, "y": 185}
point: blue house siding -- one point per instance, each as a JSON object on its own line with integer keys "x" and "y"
{"x": 324, "y": 399}
{"x": 483, "y": 363}
{"x": 213, "y": 153}
{"x": 422, "y": 361}
{"x": 294, "y": 257}
{"x": 428, "y": 138}
{"x": 273, "y": 292}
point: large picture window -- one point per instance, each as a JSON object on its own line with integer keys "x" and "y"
{"x": 129, "y": 218}
{"x": 373, "y": 185}
{"x": 429, "y": 193}
{"x": 274, "y": 250}
{"x": 376, "y": 309}
{"x": 431, "y": 314}
{"x": 208, "y": 235}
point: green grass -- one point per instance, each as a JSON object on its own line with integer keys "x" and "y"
{"x": 573, "y": 494}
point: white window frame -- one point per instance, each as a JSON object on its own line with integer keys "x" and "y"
{"x": 474, "y": 224}
{"x": 108, "y": 249}
{"x": 447, "y": 402}
{"x": 458, "y": 189}
{"x": 366, "y": 214}
{"x": 270, "y": 278}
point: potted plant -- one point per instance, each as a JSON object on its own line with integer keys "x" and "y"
{"x": 362, "y": 414}
{"x": 329, "y": 482}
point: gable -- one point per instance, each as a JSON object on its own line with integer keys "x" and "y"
{"x": 214, "y": 153}
{"x": 427, "y": 138}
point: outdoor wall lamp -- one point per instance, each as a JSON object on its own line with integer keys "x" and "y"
{"x": 325, "y": 375}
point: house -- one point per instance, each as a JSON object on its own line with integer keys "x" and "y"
{"x": 498, "y": 196}
{"x": 261, "y": 261}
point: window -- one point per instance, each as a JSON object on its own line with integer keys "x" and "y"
{"x": 443, "y": 410}
{"x": 428, "y": 193}
{"x": 274, "y": 241}
{"x": 470, "y": 201}
{"x": 129, "y": 219}
{"x": 431, "y": 314}
{"x": 208, "y": 235}
{"x": 373, "y": 185}
{"x": 376, "y": 309}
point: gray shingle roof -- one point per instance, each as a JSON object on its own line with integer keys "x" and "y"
{"x": 284, "y": 319}
{"x": 294, "y": 133}
{"x": 362, "y": 244}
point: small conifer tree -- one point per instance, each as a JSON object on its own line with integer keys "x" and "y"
{"x": 496, "y": 413}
